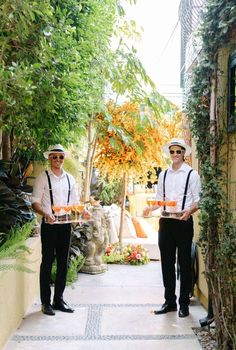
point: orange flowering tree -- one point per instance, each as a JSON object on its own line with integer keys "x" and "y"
{"x": 130, "y": 143}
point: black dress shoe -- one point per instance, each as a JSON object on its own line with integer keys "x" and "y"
{"x": 183, "y": 311}
{"x": 62, "y": 306}
{"x": 165, "y": 308}
{"x": 47, "y": 310}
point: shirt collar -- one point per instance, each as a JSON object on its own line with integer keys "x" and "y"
{"x": 184, "y": 168}
{"x": 52, "y": 173}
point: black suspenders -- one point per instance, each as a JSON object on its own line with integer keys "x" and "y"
{"x": 50, "y": 189}
{"x": 185, "y": 191}
{"x": 69, "y": 189}
{"x": 164, "y": 188}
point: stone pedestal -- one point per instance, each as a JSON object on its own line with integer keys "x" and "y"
{"x": 94, "y": 269}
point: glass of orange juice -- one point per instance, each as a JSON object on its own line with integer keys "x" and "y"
{"x": 171, "y": 205}
{"x": 80, "y": 207}
{"x": 67, "y": 209}
{"x": 77, "y": 210}
{"x": 56, "y": 209}
{"x": 150, "y": 201}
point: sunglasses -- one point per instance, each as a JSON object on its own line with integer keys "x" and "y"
{"x": 178, "y": 151}
{"x": 58, "y": 157}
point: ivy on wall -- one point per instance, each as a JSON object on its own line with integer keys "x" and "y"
{"x": 218, "y": 230}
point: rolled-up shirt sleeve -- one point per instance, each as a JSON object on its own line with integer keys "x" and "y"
{"x": 74, "y": 198}
{"x": 195, "y": 187}
{"x": 159, "y": 191}
{"x": 38, "y": 189}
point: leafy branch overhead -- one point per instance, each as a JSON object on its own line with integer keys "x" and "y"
{"x": 50, "y": 64}
{"x": 130, "y": 140}
{"x": 56, "y": 64}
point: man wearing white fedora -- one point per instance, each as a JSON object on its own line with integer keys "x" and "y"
{"x": 54, "y": 187}
{"x": 178, "y": 191}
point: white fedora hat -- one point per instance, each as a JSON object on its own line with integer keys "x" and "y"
{"x": 56, "y": 149}
{"x": 177, "y": 142}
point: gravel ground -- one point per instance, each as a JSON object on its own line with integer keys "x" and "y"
{"x": 206, "y": 337}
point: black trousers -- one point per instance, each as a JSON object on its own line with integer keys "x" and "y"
{"x": 175, "y": 236}
{"x": 55, "y": 243}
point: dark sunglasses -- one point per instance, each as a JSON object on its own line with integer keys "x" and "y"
{"x": 58, "y": 157}
{"x": 178, "y": 151}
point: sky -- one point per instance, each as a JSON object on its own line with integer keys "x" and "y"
{"x": 159, "y": 50}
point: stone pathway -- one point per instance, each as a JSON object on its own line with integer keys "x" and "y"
{"x": 113, "y": 310}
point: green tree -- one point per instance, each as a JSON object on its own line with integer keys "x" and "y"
{"x": 51, "y": 58}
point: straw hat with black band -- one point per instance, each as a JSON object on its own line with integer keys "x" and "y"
{"x": 177, "y": 142}
{"x": 56, "y": 149}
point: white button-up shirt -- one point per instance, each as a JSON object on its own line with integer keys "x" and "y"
{"x": 60, "y": 188}
{"x": 175, "y": 185}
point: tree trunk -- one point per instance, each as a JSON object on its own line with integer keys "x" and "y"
{"x": 122, "y": 214}
{"x": 6, "y": 146}
{"x": 89, "y": 159}
{"x": 0, "y": 144}
{"x": 94, "y": 143}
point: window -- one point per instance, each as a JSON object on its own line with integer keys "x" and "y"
{"x": 232, "y": 94}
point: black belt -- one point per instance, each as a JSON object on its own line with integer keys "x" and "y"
{"x": 169, "y": 214}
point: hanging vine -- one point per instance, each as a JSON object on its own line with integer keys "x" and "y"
{"x": 218, "y": 229}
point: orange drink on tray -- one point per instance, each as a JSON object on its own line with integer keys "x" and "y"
{"x": 171, "y": 203}
{"x": 80, "y": 207}
{"x": 67, "y": 208}
{"x": 152, "y": 201}
{"x": 56, "y": 209}
{"x": 167, "y": 203}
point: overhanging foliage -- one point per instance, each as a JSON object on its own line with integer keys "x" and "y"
{"x": 51, "y": 57}
{"x": 218, "y": 232}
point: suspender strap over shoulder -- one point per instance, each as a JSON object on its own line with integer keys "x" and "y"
{"x": 186, "y": 190}
{"x": 68, "y": 198}
{"x": 50, "y": 190}
{"x": 164, "y": 188}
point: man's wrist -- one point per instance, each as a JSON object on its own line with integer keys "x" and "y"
{"x": 44, "y": 214}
